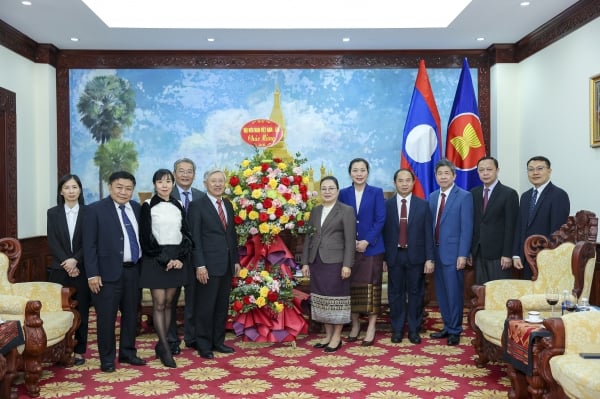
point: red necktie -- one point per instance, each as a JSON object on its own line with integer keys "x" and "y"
{"x": 486, "y": 193}
{"x": 403, "y": 240}
{"x": 222, "y": 213}
{"x": 439, "y": 217}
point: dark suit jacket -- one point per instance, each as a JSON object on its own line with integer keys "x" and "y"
{"x": 494, "y": 230}
{"x": 196, "y": 194}
{"x": 59, "y": 241}
{"x": 551, "y": 211}
{"x": 103, "y": 239}
{"x": 420, "y": 237}
{"x": 214, "y": 247}
{"x": 456, "y": 225}
{"x": 370, "y": 217}
{"x": 335, "y": 240}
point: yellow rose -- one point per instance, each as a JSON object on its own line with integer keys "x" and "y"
{"x": 273, "y": 183}
{"x": 264, "y": 274}
{"x": 275, "y": 230}
{"x": 243, "y": 273}
{"x": 284, "y": 219}
{"x": 291, "y": 201}
{"x": 282, "y": 166}
{"x": 260, "y": 301}
{"x": 271, "y": 210}
{"x": 278, "y": 307}
{"x": 306, "y": 216}
{"x": 264, "y": 291}
{"x": 245, "y": 163}
{"x": 305, "y": 179}
{"x": 243, "y": 214}
{"x": 256, "y": 169}
{"x": 253, "y": 215}
{"x": 238, "y": 190}
{"x": 247, "y": 172}
{"x": 256, "y": 194}
{"x": 263, "y": 228}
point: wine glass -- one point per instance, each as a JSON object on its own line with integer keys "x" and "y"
{"x": 552, "y": 298}
{"x": 570, "y": 303}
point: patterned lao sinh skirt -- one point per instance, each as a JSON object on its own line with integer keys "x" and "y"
{"x": 329, "y": 294}
{"x": 365, "y": 283}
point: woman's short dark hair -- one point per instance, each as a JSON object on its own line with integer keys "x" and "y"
{"x": 355, "y": 160}
{"x": 60, "y": 200}
{"x": 159, "y": 174}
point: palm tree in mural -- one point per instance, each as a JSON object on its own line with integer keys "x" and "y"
{"x": 107, "y": 107}
{"x": 116, "y": 155}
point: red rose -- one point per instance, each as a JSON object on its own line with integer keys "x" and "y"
{"x": 263, "y": 217}
{"x": 249, "y": 208}
{"x": 302, "y": 188}
{"x": 272, "y": 296}
{"x": 292, "y": 217}
{"x": 287, "y": 196}
{"x": 285, "y": 181}
{"x": 304, "y": 197}
{"x": 264, "y": 167}
{"x": 277, "y": 160}
{"x": 237, "y": 220}
{"x": 248, "y": 280}
{"x": 278, "y": 212}
{"x": 267, "y": 203}
{"x": 300, "y": 223}
{"x": 247, "y": 300}
{"x": 234, "y": 181}
{"x": 297, "y": 179}
{"x": 264, "y": 180}
{"x": 238, "y": 305}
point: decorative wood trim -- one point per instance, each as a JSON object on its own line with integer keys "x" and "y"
{"x": 8, "y": 163}
{"x": 35, "y": 259}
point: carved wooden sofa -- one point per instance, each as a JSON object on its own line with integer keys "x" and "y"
{"x": 565, "y": 373}
{"x": 47, "y": 314}
{"x": 557, "y": 263}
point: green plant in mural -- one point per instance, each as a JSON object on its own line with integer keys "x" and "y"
{"x": 116, "y": 155}
{"x": 107, "y": 107}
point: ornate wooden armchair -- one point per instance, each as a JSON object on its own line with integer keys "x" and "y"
{"x": 47, "y": 314}
{"x": 557, "y": 263}
{"x": 565, "y": 373}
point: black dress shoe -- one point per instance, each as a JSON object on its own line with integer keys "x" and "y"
{"x": 453, "y": 339}
{"x": 175, "y": 349}
{"x": 329, "y": 349}
{"x": 79, "y": 361}
{"x": 414, "y": 338}
{"x": 223, "y": 349}
{"x": 206, "y": 354}
{"x": 396, "y": 338}
{"x": 320, "y": 345}
{"x": 134, "y": 361}
{"x": 108, "y": 368}
{"x": 438, "y": 335}
{"x": 191, "y": 345}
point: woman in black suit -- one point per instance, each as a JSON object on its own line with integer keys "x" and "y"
{"x": 166, "y": 244}
{"x": 65, "y": 242}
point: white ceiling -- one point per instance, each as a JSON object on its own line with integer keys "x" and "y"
{"x": 498, "y": 21}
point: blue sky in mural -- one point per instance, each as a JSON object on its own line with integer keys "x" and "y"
{"x": 332, "y": 116}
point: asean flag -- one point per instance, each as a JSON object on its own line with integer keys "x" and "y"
{"x": 464, "y": 141}
{"x": 422, "y": 136}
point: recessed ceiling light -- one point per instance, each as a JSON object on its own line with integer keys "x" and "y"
{"x": 346, "y": 39}
{"x": 74, "y": 39}
{"x": 525, "y": 3}
{"x": 480, "y": 39}
{"x": 26, "y": 3}
{"x": 211, "y": 39}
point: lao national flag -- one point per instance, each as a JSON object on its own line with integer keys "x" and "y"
{"x": 464, "y": 142}
{"x": 422, "y": 136}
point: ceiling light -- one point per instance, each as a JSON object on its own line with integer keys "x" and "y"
{"x": 210, "y": 39}
{"x": 346, "y": 39}
{"x": 525, "y": 3}
{"x": 26, "y": 3}
{"x": 480, "y": 39}
{"x": 276, "y": 14}
{"x": 74, "y": 39}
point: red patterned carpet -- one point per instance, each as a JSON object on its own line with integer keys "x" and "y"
{"x": 282, "y": 371}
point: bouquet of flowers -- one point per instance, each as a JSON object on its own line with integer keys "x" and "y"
{"x": 260, "y": 288}
{"x": 270, "y": 196}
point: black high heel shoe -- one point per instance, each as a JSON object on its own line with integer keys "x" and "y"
{"x": 165, "y": 356}
{"x": 320, "y": 345}
{"x": 351, "y": 338}
{"x": 329, "y": 349}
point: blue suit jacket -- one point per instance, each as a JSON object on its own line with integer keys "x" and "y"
{"x": 456, "y": 225}
{"x": 103, "y": 239}
{"x": 369, "y": 218}
{"x": 420, "y": 237}
{"x": 551, "y": 211}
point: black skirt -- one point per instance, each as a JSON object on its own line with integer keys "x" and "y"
{"x": 155, "y": 275}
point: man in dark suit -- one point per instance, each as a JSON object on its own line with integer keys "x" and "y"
{"x": 215, "y": 259}
{"x": 184, "y": 171}
{"x": 495, "y": 210}
{"x": 408, "y": 255}
{"x": 543, "y": 209}
{"x": 451, "y": 210}
{"x": 111, "y": 253}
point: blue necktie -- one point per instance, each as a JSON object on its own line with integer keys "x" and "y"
{"x": 532, "y": 204}
{"x": 133, "y": 244}
{"x": 186, "y": 202}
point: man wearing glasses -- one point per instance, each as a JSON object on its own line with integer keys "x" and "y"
{"x": 543, "y": 209}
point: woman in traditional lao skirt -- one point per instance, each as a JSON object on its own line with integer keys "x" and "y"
{"x": 365, "y": 285}
{"x": 328, "y": 257}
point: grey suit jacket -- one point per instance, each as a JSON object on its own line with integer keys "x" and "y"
{"x": 196, "y": 194}
{"x": 335, "y": 240}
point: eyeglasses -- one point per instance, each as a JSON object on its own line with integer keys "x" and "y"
{"x": 185, "y": 171}
{"x": 327, "y": 189}
{"x": 537, "y": 169}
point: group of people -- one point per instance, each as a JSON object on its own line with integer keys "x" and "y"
{"x": 183, "y": 237}
{"x": 111, "y": 249}
{"x": 358, "y": 235}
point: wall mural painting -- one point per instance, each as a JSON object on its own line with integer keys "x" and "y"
{"x": 145, "y": 119}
